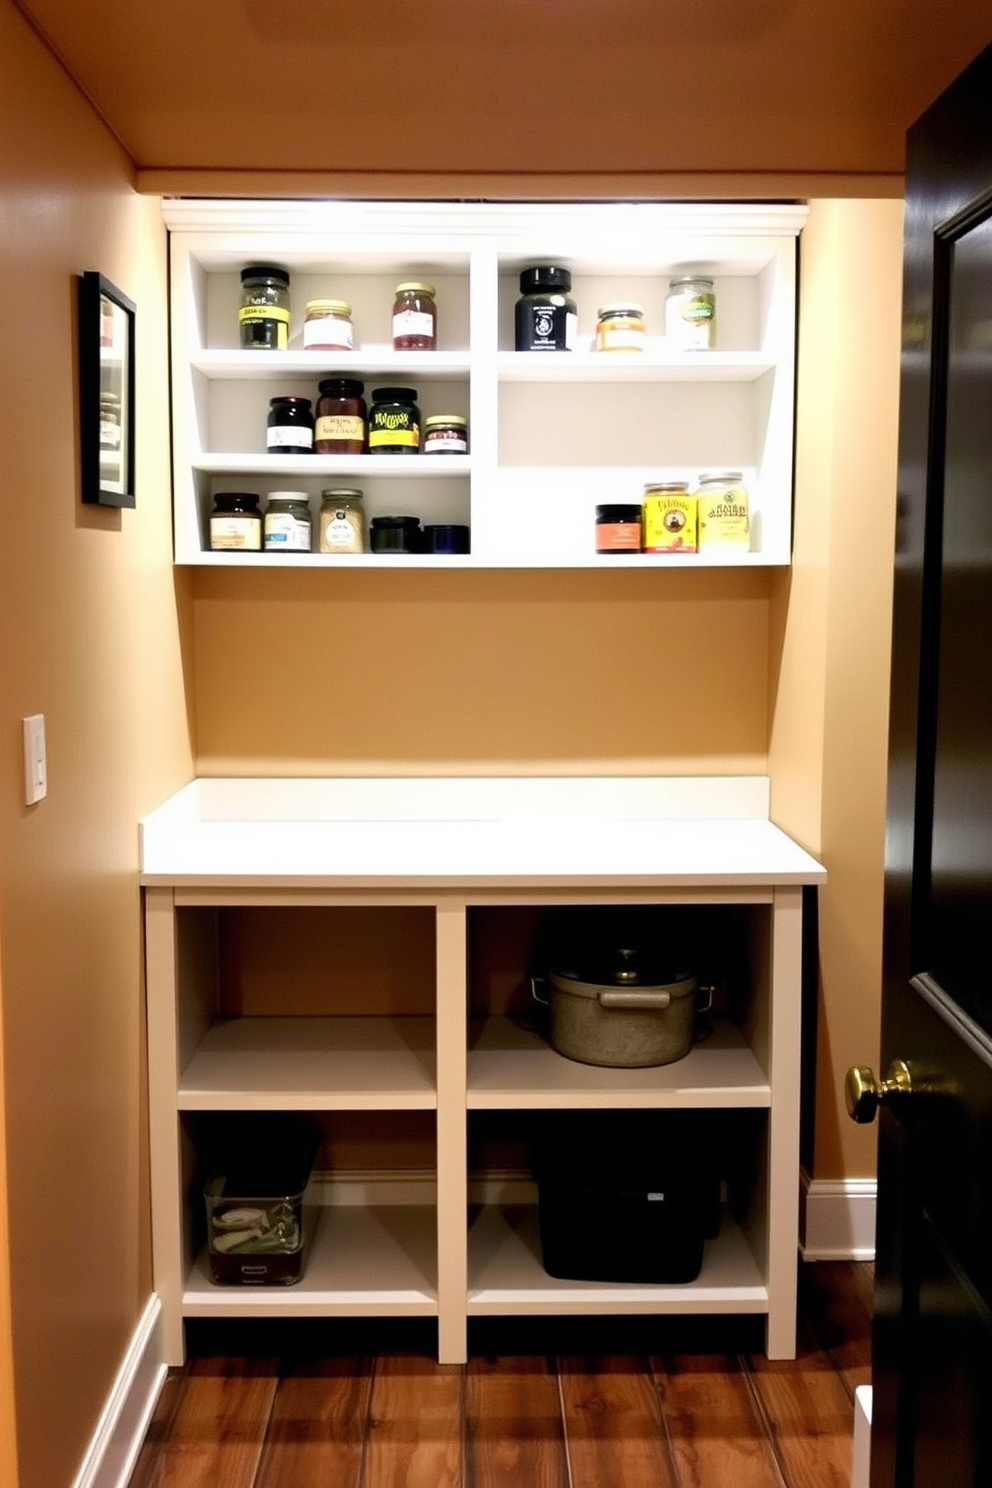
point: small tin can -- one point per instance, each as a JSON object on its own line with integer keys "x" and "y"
{"x": 620, "y": 328}
{"x": 618, "y": 528}
{"x": 236, "y": 522}
{"x": 287, "y": 525}
{"x": 328, "y": 326}
{"x": 445, "y": 434}
{"x": 690, "y": 313}
{"x": 289, "y": 426}
{"x": 669, "y": 518}
{"x": 724, "y": 517}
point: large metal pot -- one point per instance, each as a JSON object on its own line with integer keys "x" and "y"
{"x": 623, "y": 1015}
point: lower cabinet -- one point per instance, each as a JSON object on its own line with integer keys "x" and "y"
{"x": 405, "y": 1033}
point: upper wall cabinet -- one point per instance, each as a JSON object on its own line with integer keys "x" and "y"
{"x": 552, "y": 435}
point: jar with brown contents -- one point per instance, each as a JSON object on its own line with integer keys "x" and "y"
{"x": 341, "y": 425}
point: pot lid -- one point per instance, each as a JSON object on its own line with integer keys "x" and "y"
{"x": 624, "y": 966}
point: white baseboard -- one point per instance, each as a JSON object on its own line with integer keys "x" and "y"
{"x": 838, "y": 1219}
{"x": 109, "y": 1460}
{"x": 861, "y": 1463}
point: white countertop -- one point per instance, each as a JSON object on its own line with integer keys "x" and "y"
{"x": 465, "y": 832}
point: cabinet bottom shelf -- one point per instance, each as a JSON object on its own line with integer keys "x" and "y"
{"x": 506, "y": 1276}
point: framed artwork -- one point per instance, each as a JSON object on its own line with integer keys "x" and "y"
{"x": 106, "y": 392}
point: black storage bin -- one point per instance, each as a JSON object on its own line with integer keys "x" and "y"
{"x": 626, "y": 1195}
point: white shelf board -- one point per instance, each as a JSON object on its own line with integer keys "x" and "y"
{"x": 374, "y": 1262}
{"x": 366, "y": 363}
{"x": 312, "y": 1064}
{"x": 651, "y": 365}
{"x": 506, "y": 1276}
{"x": 510, "y": 1067}
{"x": 426, "y": 467}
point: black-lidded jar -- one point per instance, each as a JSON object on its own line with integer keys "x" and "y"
{"x": 394, "y": 421}
{"x": 342, "y": 417}
{"x": 396, "y": 535}
{"x": 263, "y": 315}
{"x": 545, "y": 316}
{"x": 236, "y": 522}
{"x": 618, "y": 528}
{"x": 289, "y": 426}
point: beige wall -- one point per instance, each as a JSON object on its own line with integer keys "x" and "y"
{"x": 830, "y": 623}
{"x": 90, "y": 617}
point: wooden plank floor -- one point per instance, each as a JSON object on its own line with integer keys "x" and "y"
{"x": 542, "y": 1403}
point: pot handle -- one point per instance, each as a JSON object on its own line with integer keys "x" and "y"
{"x": 535, "y": 983}
{"x": 630, "y": 997}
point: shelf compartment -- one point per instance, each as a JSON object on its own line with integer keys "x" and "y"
{"x": 512, "y": 1068}
{"x": 379, "y": 1261}
{"x": 312, "y": 1063}
{"x": 506, "y": 1275}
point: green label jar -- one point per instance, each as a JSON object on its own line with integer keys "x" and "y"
{"x": 263, "y": 315}
{"x": 394, "y": 422}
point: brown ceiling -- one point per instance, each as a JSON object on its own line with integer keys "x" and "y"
{"x": 484, "y": 86}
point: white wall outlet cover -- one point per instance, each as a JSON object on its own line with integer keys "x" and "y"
{"x": 35, "y": 761}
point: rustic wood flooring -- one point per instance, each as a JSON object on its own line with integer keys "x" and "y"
{"x": 577, "y": 1403}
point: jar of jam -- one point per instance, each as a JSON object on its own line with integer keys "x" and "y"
{"x": 545, "y": 316}
{"x": 394, "y": 421}
{"x": 618, "y": 528}
{"x": 289, "y": 426}
{"x": 236, "y": 522}
{"x": 341, "y": 521}
{"x": 328, "y": 326}
{"x": 414, "y": 318}
{"x": 287, "y": 527}
{"x": 342, "y": 417}
{"x": 445, "y": 434}
{"x": 263, "y": 315}
{"x": 620, "y": 328}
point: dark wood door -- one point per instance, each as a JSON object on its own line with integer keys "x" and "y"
{"x": 932, "y": 1404}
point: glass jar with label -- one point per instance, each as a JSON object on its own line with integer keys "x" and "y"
{"x": 263, "y": 315}
{"x": 618, "y": 528}
{"x": 394, "y": 421}
{"x": 690, "y": 313}
{"x": 723, "y": 511}
{"x": 445, "y": 434}
{"x": 328, "y": 326}
{"x": 545, "y": 317}
{"x": 415, "y": 317}
{"x": 287, "y": 526}
{"x": 620, "y": 327}
{"x": 289, "y": 426}
{"x": 341, "y": 522}
{"x": 236, "y": 522}
{"x": 342, "y": 417}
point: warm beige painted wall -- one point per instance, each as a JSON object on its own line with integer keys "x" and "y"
{"x": 90, "y": 617}
{"x": 831, "y": 622}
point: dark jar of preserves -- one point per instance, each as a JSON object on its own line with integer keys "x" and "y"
{"x": 396, "y": 535}
{"x": 445, "y": 434}
{"x": 618, "y": 528}
{"x": 394, "y": 421}
{"x": 545, "y": 316}
{"x": 236, "y": 522}
{"x": 263, "y": 315}
{"x": 342, "y": 417}
{"x": 289, "y": 426}
{"x": 414, "y": 318}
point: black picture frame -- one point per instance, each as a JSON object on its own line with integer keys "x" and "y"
{"x": 106, "y": 392}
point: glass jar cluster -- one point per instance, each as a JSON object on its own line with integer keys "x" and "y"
{"x": 238, "y": 524}
{"x": 546, "y": 316}
{"x": 328, "y": 325}
{"x": 343, "y": 423}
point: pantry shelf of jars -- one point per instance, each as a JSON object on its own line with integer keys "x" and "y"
{"x": 639, "y": 377}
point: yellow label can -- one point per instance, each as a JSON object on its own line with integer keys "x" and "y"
{"x": 669, "y": 518}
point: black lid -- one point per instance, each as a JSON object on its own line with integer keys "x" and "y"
{"x": 265, "y": 271}
{"x": 545, "y": 276}
{"x": 231, "y": 500}
{"x": 618, "y": 512}
{"x": 407, "y": 524}
{"x": 347, "y": 387}
{"x": 394, "y": 395}
{"x": 290, "y": 398}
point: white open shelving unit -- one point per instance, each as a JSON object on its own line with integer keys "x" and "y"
{"x": 449, "y": 1243}
{"x": 551, "y": 434}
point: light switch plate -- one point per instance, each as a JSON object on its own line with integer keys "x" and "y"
{"x": 35, "y": 762}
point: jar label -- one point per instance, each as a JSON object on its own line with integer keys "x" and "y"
{"x": 328, "y": 333}
{"x": 286, "y": 533}
{"x": 236, "y": 532}
{"x": 340, "y": 532}
{"x": 545, "y": 328}
{"x": 620, "y": 337}
{"x": 413, "y": 323}
{"x": 340, "y": 426}
{"x": 263, "y": 312}
{"x": 689, "y": 320}
{"x": 445, "y": 444}
{"x": 278, "y": 436}
{"x": 724, "y": 521}
{"x": 669, "y": 524}
{"x": 397, "y": 438}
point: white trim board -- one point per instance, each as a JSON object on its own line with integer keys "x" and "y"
{"x": 113, "y": 1450}
{"x": 838, "y": 1219}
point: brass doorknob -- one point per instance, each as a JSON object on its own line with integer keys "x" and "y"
{"x": 864, "y": 1092}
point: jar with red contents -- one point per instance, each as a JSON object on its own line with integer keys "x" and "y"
{"x": 415, "y": 318}
{"x": 341, "y": 426}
